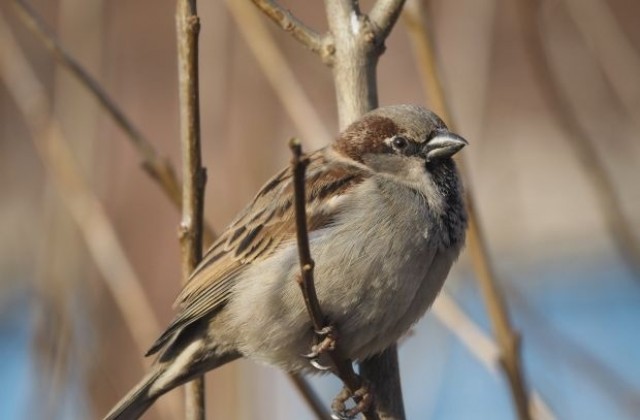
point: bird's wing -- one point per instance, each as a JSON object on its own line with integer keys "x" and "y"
{"x": 258, "y": 231}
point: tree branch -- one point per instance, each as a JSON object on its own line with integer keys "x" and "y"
{"x": 159, "y": 168}
{"x": 194, "y": 175}
{"x": 289, "y": 23}
{"x": 357, "y": 48}
{"x": 384, "y": 15}
{"x": 508, "y": 339}
{"x": 343, "y": 366}
{"x": 355, "y": 58}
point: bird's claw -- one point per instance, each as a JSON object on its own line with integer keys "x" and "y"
{"x": 362, "y": 398}
{"x": 327, "y": 343}
{"x": 315, "y": 362}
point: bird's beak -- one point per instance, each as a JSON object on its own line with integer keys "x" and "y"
{"x": 443, "y": 145}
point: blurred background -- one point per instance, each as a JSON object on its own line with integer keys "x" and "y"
{"x": 67, "y": 351}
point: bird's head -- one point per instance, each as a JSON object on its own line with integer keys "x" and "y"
{"x": 400, "y": 140}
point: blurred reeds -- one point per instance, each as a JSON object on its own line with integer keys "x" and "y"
{"x": 305, "y": 111}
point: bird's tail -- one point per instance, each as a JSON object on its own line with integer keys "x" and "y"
{"x": 190, "y": 361}
{"x": 138, "y": 400}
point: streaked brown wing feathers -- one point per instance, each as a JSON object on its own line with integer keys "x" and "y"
{"x": 255, "y": 234}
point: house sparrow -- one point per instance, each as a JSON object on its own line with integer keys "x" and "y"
{"x": 386, "y": 220}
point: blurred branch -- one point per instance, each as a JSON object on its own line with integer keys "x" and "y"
{"x": 508, "y": 339}
{"x": 310, "y": 397}
{"x": 279, "y": 74}
{"x": 159, "y": 168}
{"x": 481, "y": 346}
{"x": 54, "y": 331}
{"x": 343, "y": 366}
{"x": 194, "y": 175}
{"x": 85, "y": 208}
{"x": 616, "y": 54}
{"x": 619, "y": 226}
{"x": 288, "y": 22}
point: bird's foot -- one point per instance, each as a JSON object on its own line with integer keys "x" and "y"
{"x": 362, "y": 399}
{"x": 327, "y": 342}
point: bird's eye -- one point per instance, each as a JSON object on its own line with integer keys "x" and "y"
{"x": 400, "y": 143}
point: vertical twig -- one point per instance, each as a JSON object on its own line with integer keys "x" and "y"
{"x": 343, "y": 366}
{"x": 194, "y": 175}
{"x": 508, "y": 339}
{"x": 352, "y": 47}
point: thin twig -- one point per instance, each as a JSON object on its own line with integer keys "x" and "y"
{"x": 85, "y": 208}
{"x": 194, "y": 175}
{"x": 159, "y": 168}
{"x": 508, "y": 339}
{"x": 298, "y": 106}
{"x": 289, "y": 23}
{"x": 562, "y": 110}
{"x": 343, "y": 366}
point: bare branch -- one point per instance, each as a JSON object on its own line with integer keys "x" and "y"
{"x": 343, "y": 366}
{"x": 562, "y": 110}
{"x": 288, "y": 22}
{"x": 159, "y": 168}
{"x": 355, "y": 56}
{"x": 384, "y": 16}
{"x": 356, "y": 50}
{"x": 507, "y": 337}
{"x": 296, "y": 103}
{"x": 194, "y": 175}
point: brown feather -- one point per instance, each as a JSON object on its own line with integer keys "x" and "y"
{"x": 256, "y": 234}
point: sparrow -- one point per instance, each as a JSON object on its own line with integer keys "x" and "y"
{"x": 386, "y": 221}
